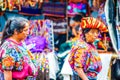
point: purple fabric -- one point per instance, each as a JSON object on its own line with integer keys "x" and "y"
{"x": 75, "y": 8}
{"x": 39, "y": 42}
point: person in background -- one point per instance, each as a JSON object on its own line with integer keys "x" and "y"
{"x": 16, "y": 61}
{"x": 76, "y": 33}
{"x": 68, "y": 44}
{"x": 84, "y": 58}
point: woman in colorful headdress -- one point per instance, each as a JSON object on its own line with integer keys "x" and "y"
{"x": 84, "y": 58}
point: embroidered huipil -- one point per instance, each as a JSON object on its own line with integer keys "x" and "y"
{"x": 85, "y": 56}
{"x": 13, "y": 56}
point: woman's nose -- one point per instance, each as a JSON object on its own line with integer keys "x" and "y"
{"x": 96, "y": 35}
{"x": 27, "y": 32}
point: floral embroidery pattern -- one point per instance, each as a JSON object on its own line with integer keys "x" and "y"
{"x": 8, "y": 62}
{"x": 85, "y": 56}
{"x": 14, "y": 56}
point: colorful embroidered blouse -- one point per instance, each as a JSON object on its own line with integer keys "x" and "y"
{"x": 14, "y": 56}
{"x": 85, "y": 56}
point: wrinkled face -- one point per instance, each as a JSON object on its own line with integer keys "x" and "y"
{"x": 22, "y": 35}
{"x": 91, "y": 35}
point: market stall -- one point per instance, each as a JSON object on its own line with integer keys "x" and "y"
{"x": 108, "y": 40}
{"x": 41, "y": 30}
{"x": 50, "y": 27}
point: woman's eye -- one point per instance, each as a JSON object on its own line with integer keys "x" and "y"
{"x": 25, "y": 30}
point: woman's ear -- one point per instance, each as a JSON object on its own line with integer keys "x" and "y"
{"x": 15, "y": 32}
{"x": 86, "y": 34}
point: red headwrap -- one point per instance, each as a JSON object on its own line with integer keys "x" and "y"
{"x": 90, "y": 22}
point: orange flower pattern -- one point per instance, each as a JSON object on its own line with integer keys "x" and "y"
{"x": 13, "y": 58}
{"x": 10, "y": 57}
{"x": 8, "y": 61}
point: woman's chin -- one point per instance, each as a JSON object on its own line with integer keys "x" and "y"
{"x": 89, "y": 41}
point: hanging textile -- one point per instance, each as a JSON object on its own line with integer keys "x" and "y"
{"x": 118, "y": 24}
{"x": 118, "y": 37}
{"x": 77, "y": 1}
{"x": 3, "y": 5}
{"x": 30, "y": 11}
{"x": 76, "y": 8}
{"x": 109, "y": 13}
{"x": 38, "y": 41}
{"x": 101, "y": 13}
{"x": 60, "y": 29}
{"x": 22, "y": 5}
{"x": 14, "y": 4}
{"x": 60, "y": 25}
{"x": 118, "y": 10}
{"x": 40, "y": 35}
{"x": 57, "y": 9}
{"x": 31, "y": 7}
{"x": 43, "y": 73}
{"x": 10, "y": 4}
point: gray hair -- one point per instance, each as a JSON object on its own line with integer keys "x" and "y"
{"x": 13, "y": 24}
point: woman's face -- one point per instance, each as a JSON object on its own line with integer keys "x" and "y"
{"x": 22, "y": 35}
{"x": 91, "y": 35}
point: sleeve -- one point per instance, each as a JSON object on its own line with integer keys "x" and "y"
{"x": 77, "y": 58}
{"x": 9, "y": 58}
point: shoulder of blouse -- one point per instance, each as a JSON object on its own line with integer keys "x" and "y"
{"x": 7, "y": 44}
{"x": 80, "y": 44}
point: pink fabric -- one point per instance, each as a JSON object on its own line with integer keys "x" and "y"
{"x": 26, "y": 71}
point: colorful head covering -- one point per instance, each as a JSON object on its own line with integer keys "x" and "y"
{"x": 90, "y": 22}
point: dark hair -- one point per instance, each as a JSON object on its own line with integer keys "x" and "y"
{"x": 12, "y": 24}
{"x": 78, "y": 17}
{"x": 86, "y": 30}
{"x": 77, "y": 28}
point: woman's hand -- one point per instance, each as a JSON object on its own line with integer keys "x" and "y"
{"x": 7, "y": 75}
{"x": 81, "y": 73}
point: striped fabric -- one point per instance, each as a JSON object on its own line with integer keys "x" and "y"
{"x": 90, "y": 22}
{"x": 54, "y": 9}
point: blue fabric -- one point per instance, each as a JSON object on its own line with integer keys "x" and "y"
{"x": 94, "y": 14}
{"x": 30, "y": 11}
{"x": 1, "y": 76}
{"x": 76, "y": 77}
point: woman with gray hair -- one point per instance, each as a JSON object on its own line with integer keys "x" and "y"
{"x": 16, "y": 61}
